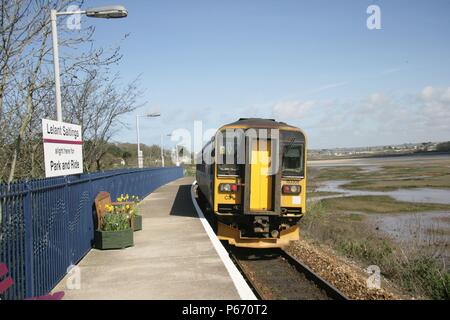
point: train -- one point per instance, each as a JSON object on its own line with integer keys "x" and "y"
{"x": 251, "y": 178}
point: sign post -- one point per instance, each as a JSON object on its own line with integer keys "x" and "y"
{"x": 140, "y": 159}
{"x": 63, "y": 148}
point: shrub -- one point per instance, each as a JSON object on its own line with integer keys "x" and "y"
{"x": 115, "y": 222}
{"x": 443, "y": 147}
{"x": 424, "y": 275}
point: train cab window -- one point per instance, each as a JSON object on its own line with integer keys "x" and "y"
{"x": 227, "y": 156}
{"x": 292, "y": 163}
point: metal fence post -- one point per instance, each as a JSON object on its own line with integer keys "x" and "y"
{"x": 28, "y": 245}
{"x": 69, "y": 214}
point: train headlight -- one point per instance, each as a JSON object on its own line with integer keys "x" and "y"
{"x": 228, "y": 187}
{"x": 291, "y": 189}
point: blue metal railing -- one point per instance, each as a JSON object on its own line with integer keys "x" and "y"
{"x": 46, "y": 225}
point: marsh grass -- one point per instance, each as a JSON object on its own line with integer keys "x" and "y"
{"x": 390, "y": 177}
{"x": 416, "y": 269}
{"x": 314, "y": 194}
{"x": 355, "y": 217}
{"x": 340, "y": 173}
{"x": 389, "y": 184}
{"x": 379, "y": 204}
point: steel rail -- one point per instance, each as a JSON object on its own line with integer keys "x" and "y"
{"x": 331, "y": 291}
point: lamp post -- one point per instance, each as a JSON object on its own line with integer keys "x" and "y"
{"x": 107, "y": 12}
{"x": 139, "y": 152}
{"x": 162, "y": 150}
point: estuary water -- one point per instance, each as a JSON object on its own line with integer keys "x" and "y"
{"x": 429, "y": 229}
{"x": 423, "y": 195}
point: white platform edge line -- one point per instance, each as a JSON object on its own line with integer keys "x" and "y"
{"x": 245, "y": 292}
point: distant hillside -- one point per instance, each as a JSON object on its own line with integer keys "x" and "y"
{"x": 124, "y": 155}
{"x": 377, "y": 151}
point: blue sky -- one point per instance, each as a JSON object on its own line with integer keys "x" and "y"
{"x": 314, "y": 64}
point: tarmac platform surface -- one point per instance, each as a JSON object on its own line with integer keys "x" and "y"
{"x": 172, "y": 257}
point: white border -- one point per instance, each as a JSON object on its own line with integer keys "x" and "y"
{"x": 239, "y": 282}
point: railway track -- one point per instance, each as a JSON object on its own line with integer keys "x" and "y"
{"x": 275, "y": 275}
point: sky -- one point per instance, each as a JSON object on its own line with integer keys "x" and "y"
{"x": 313, "y": 64}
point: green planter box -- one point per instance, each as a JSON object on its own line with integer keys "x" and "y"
{"x": 113, "y": 239}
{"x": 137, "y": 222}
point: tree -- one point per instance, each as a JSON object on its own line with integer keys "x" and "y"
{"x": 443, "y": 146}
{"x": 97, "y": 105}
{"x": 125, "y": 156}
{"x": 90, "y": 95}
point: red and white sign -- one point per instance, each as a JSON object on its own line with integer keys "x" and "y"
{"x": 63, "y": 148}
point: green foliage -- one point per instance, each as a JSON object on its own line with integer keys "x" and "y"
{"x": 338, "y": 173}
{"x": 126, "y": 155}
{"x": 374, "y": 251}
{"x": 114, "y": 150}
{"x": 316, "y": 209}
{"x": 379, "y": 204}
{"x": 190, "y": 170}
{"x": 115, "y": 222}
{"x": 416, "y": 271}
{"x": 434, "y": 174}
{"x": 443, "y": 147}
{"x": 314, "y": 213}
{"x": 355, "y": 217}
{"x": 424, "y": 274}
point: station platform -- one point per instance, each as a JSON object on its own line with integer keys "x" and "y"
{"x": 173, "y": 257}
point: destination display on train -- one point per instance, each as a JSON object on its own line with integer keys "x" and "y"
{"x": 63, "y": 148}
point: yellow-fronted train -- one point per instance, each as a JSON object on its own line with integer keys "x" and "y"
{"x": 251, "y": 179}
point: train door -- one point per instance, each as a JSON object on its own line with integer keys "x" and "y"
{"x": 260, "y": 177}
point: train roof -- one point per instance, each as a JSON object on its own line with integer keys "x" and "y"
{"x": 260, "y": 123}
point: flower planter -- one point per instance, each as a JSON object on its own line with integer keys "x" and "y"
{"x": 137, "y": 222}
{"x": 113, "y": 239}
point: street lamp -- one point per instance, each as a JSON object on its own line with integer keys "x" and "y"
{"x": 139, "y": 152}
{"x": 107, "y": 12}
{"x": 162, "y": 150}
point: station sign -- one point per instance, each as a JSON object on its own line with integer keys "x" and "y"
{"x": 63, "y": 148}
